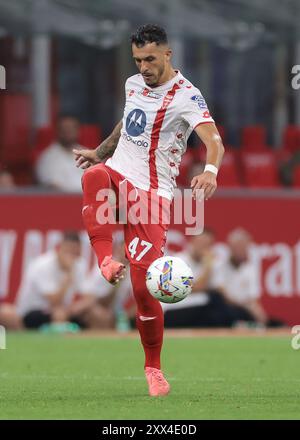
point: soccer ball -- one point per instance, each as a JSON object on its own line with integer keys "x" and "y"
{"x": 169, "y": 279}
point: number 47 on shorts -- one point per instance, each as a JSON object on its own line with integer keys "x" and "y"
{"x": 137, "y": 243}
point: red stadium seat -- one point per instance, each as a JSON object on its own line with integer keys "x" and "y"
{"x": 43, "y": 138}
{"x": 254, "y": 138}
{"x": 291, "y": 138}
{"x": 15, "y": 132}
{"x": 259, "y": 169}
{"x": 15, "y": 120}
{"x": 222, "y": 131}
{"x": 90, "y": 136}
{"x": 229, "y": 173}
{"x": 296, "y": 177}
{"x": 228, "y": 176}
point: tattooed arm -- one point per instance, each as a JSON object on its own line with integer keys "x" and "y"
{"x": 85, "y": 158}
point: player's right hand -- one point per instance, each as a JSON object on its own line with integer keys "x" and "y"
{"x": 85, "y": 158}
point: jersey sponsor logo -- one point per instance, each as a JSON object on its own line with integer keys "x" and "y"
{"x": 200, "y": 101}
{"x": 137, "y": 142}
{"x": 206, "y": 114}
{"x": 131, "y": 92}
{"x": 136, "y": 122}
{"x": 149, "y": 93}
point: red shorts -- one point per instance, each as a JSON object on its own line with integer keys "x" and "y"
{"x": 144, "y": 216}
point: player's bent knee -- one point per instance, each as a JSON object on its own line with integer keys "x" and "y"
{"x": 95, "y": 177}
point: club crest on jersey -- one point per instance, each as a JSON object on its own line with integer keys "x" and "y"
{"x": 136, "y": 122}
{"x": 200, "y": 101}
{"x": 149, "y": 93}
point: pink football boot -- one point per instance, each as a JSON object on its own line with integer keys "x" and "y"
{"x": 158, "y": 386}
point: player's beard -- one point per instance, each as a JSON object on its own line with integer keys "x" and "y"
{"x": 156, "y": 79}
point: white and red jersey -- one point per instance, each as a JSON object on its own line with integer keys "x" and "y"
{"x": 156, "y": 125}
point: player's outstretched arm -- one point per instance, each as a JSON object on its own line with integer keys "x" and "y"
{"x": 85, "y": 158}
{"x": 207, "y": 181}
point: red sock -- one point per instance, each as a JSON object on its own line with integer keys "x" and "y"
{"x": 95, "y": 179}
{"x": 149, "y": 319}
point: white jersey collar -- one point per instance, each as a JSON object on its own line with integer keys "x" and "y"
{"x": 167, "y": 85}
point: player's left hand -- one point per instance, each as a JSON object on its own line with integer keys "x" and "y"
{"x": 206, "y": 181}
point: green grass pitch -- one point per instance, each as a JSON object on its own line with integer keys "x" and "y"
{"x": 59, "y": 377}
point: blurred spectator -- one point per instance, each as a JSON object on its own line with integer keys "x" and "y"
{"x": 196, "y": 310}
{"x": 237, "y": 281}
{"x": 56, "y": 289}
{"x": 55, "y": 167}
{"x": 224, "y": 292}
{"x": 49, "y": 286}
{"x": 6, "y": 180}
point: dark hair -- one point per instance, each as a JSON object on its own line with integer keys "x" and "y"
{"x": 71, "y": 236}
{"x": 63, "y": 116}
{"x": 149, "y": 33}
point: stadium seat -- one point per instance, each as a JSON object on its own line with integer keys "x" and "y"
{"x": 15, "y": 120}
{"x": 291, "y": 138}
{"x": 43, "y": 138}
{"x": 90, "y": 135}
{"x": 222, "y": 131}
{"x": 259, "y": 169}
{"x": 296, "y": 177}
{"x": 254, "y": 138}
{"x": 228, "y": 176}
{"x": 229, "y": 173}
